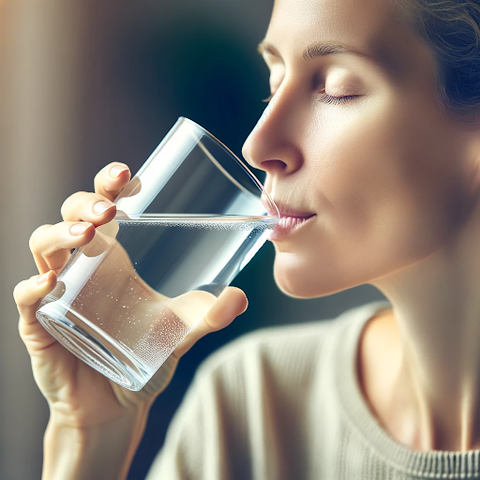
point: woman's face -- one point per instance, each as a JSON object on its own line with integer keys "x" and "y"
{"x": 380, "y": 168}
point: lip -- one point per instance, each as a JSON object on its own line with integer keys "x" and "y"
{"x": 287, "y": 225}
{"x": 291, "y": 220}
{"x": 283, "y": 210}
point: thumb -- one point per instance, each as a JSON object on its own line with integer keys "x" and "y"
{"x": 231, "y": 303}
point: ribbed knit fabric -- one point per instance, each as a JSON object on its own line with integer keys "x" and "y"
{"x": 284, "y": 403}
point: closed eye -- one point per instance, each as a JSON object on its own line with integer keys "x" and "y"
{"x": 325, "y": 98}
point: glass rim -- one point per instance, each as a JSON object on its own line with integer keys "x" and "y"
{"x": 192, "y": 217}
{"x": 238, "y": 160}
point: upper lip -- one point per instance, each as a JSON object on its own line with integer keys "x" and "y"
{"x": 285, "y": 210}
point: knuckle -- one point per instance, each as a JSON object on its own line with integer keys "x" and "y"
{"x": 34, "y": 241}
{"x": 55, "y": 241}
{"x": 72, "y": 199}
{"x": 17, "y": 291}
{"x": 22, "y": 331}
{"x": 97, "y": 179}
{"x": 101, "y": 174}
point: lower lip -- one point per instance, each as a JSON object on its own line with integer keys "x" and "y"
{"x": 287, "y": 225}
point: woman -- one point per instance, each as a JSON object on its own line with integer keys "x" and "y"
{"x": 371, "y": 143}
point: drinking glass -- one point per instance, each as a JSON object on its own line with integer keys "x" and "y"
{"x": 186, "y": 224}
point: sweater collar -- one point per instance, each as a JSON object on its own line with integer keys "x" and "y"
{"x": 432, "y": 464}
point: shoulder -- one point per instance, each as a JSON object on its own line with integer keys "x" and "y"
{"x": 283, "y": 351}
{"x": 245, "y": 397}
{"x": 268, "y": 345}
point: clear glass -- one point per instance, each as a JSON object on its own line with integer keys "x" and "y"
{"x": 189, "y": 221}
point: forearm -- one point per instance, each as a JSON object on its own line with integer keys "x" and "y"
{"x": 104, "y": 451}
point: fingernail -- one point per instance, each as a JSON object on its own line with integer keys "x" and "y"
{"x": 43, "y": 278}
{"x": 117, "y": 170}
{"x": 79, "y": 228}
{"x": 101, "y": 207}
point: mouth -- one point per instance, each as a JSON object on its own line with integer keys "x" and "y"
{"x": 287, "y": 225}
{"x": 291, "y": 220}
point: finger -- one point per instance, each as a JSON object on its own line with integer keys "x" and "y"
{"x": 88, "y": 207}
{"x": 51, "y": 244}
{"x": 28, "y": 295}
{"x": 111, "y": 179}
{"x": 230, "y": 304}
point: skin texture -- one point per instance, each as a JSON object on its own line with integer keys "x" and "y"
{"x": 393, "y": 184}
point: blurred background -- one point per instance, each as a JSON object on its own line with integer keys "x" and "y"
{"x": 86, "y": 83}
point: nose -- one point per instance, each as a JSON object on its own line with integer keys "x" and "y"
{"x": 272, "y": 144}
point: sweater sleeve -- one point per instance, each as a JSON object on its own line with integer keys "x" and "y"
{"x": 183, "y": 453}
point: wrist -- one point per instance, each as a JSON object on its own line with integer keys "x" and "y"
{"x": 98, "y": 451}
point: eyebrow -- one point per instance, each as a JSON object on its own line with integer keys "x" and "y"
{"x": 319, "y": 49}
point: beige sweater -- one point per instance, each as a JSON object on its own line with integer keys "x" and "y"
{"x": 284, "y": 403}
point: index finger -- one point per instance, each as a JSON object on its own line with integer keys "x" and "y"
{"x": 111, "y": 180}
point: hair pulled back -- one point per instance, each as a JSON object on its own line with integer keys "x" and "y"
{"x": 452, "y": 29}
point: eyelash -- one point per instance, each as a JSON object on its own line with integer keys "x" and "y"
{"x": 336, "y": 100}
{"x": 325, "y": 98}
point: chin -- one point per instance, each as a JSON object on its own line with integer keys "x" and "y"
{"x": 297, "y": 282}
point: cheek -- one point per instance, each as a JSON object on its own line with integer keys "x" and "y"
{"x": 390, "y": 174}
{"x": 387, "y": 193}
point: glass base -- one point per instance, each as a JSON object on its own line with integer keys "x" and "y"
{"x": 100, "y": 352}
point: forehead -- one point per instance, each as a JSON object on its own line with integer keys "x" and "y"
{"x": 334, "y": 16}
{"x": 371, "y": 26}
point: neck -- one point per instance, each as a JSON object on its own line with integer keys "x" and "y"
{"x": 435, "y": 390}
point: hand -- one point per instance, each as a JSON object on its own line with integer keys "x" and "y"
{"x": 78, "y": 395}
